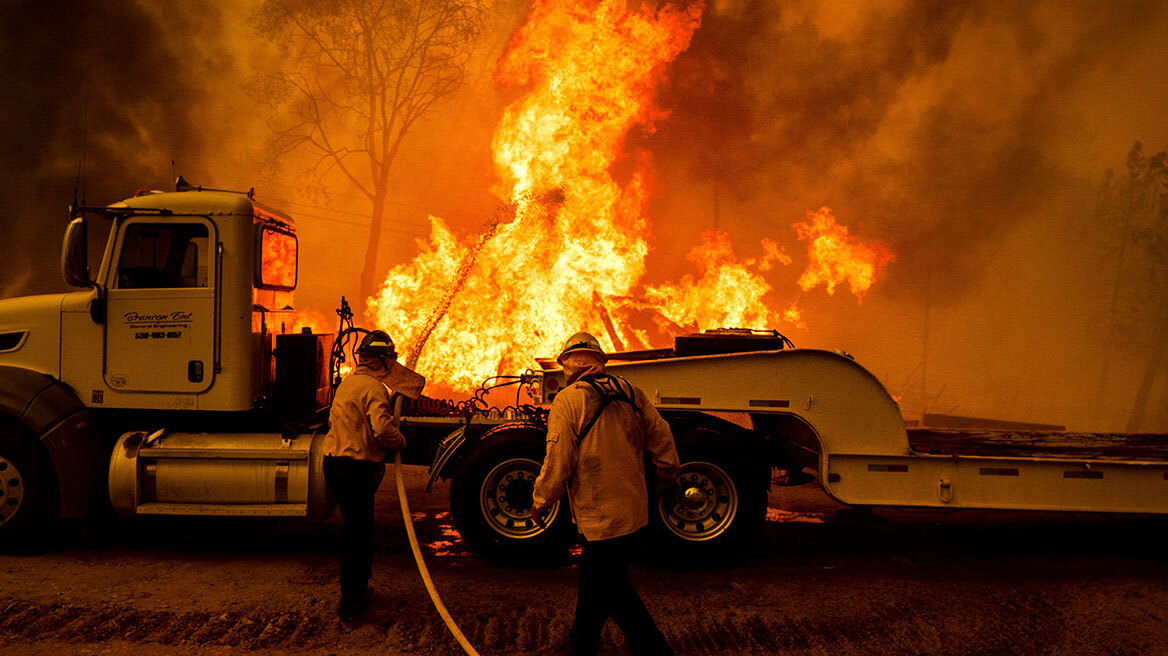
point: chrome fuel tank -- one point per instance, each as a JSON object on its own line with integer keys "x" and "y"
{"x": 246, "y": 474}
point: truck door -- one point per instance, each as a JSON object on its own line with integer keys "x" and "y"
{"x": 160, "y": 326}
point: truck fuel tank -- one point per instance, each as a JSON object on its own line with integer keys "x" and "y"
{"x": 245, "y": 474}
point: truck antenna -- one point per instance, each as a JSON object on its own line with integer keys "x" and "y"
{"x": 80, "y": 181}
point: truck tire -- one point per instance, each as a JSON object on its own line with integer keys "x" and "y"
{"x": 28, "y": 491}
{"x": 720, "y": 500}
{"x": 490, "y": 497}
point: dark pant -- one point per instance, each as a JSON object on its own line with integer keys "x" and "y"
{"x": 353, "y": 484}
{"x": 606, "y": 591}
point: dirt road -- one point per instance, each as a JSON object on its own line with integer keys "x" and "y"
{"x": 818, "y": 582}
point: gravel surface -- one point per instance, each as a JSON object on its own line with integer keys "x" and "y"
{"x": 818, "y": 581}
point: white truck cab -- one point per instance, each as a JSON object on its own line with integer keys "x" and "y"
{"x": 177, "y": 331}
{"x": 188, "y": 284}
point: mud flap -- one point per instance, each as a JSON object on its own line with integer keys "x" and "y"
{"x": 449, "y": 446}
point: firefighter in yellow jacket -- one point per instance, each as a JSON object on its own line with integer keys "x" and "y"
{"x": 599, "y": 429}
{"x": 361, "y": 430}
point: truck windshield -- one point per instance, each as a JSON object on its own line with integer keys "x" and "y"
{"x": 163, "y": 255}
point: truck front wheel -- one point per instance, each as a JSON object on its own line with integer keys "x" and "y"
{"x": 28, "y": 500}
{"x": 490, "y": 499}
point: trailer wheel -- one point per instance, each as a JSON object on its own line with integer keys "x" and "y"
{"x": 720, "y": 500}
{"x": 490, "y": 498}
{"x": 28, "y": 498}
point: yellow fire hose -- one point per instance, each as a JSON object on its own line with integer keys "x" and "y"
{"x": 422, "y": 569}
{"x": 409, "y": 522}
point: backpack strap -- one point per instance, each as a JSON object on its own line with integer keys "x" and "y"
{"x": 610, "y": 388}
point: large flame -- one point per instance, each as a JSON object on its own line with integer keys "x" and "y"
{"x": 569, "y": 252}
{"x": 728, "y": 292}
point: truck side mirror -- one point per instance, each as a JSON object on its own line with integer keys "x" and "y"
{"x": 75, "y": 255}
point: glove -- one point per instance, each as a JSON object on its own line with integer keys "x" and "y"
{"x": 667, "y": 489}
{"x": 537, "y": 515}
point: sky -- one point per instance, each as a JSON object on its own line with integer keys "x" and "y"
{"x": 972, "y": 139}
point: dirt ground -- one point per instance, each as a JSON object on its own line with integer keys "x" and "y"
{"x": 816, "y": 582}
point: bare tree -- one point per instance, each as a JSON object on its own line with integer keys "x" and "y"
{"x": 359, "y": 75}
{"x": 1137, "y": 317}
{"x": 1152, "y": 238}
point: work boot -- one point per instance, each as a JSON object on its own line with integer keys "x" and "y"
{"x": 351, "y": 609}
{"x": 658, "y": 650}
{"x": 578, "y": 646}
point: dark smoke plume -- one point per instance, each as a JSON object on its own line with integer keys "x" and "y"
{"x": 107, "y": 78}
{"x": 933, "y": 123}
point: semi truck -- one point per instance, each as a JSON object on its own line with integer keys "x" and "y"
{"x": 173, "y": 383}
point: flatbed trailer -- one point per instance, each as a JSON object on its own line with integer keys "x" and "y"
{"x": 829, "y": 413}
{"x": 739, "y": 416}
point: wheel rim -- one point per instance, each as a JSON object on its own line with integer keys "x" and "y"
{"x": 706, "y": 503}
{"x": 505, "y": 499}
{"x": 11, "y": 489}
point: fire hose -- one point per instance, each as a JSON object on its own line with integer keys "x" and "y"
{"x": 408, "y": 520}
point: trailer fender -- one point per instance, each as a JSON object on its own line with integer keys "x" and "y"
{"x": 51, "y": 411}
{"x": 748, "y": 445}
{"x": 455, "y": 446}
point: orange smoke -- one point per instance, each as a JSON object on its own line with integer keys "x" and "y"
{"x": 568, "y": 254}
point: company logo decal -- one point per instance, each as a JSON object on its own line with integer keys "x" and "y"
{"x": 159, "y": 325}
{"x": 173, "y": 317}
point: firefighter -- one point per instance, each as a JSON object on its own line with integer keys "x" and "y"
{"x": 361, "y": 430}
{"x": 599, "y": 429}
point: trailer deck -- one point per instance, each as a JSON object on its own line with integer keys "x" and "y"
{"x": 1145, "y": 447}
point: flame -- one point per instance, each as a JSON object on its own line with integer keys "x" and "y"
{"x": 835, "y": 257}
{"x": 568, "y": 251}
{"x": 577, "y": 234}
{"x": 728, "y": 292}
{"x": 315, "y": 321}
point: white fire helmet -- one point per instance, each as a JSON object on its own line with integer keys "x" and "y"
{"x": 582, "y": 342}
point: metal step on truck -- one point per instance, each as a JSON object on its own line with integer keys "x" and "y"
{"x": 171, "y": 384}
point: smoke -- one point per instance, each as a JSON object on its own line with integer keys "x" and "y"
{"x": 103, "y": 80}
{"x": 969, "y": 137}
{"x": 939, "y": 125}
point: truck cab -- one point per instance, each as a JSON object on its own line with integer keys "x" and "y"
{"x": 178, "y": 329}
{"x": 190, "y": 289}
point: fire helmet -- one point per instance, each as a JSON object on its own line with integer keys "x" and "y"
{"x": 582, "y": 342}
{"x": 377, "y": 343}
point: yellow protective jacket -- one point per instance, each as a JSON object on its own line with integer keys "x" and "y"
{"x": 605, "y": 472}
{"x": 361, "y": 418}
